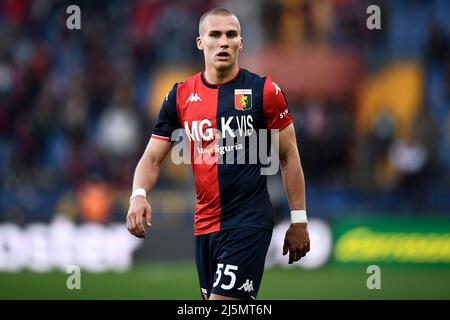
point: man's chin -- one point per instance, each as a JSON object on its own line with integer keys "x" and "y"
{"x": 223, "y": 65}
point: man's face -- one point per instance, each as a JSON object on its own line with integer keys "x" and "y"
{"x": 220, "y": 39}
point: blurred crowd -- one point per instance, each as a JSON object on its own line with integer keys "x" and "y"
{"x": 77, "y": 106}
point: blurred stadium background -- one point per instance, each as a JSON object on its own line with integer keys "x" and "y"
{"x": 371, "y": 110}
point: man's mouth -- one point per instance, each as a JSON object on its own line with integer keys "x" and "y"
{"x": 223, "y": 55}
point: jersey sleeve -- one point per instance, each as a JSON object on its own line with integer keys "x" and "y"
{"x": 275, "y": 108}
{"x": 167, "y": 121}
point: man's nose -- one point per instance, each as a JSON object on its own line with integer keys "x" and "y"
{"x": 223, "y": 42}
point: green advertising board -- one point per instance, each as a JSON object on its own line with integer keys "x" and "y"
{"x": 406, "y": 240}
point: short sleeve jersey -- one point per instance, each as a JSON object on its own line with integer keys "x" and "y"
{"x": 231, "y": 193}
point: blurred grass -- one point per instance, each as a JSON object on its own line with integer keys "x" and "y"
{"x": 179, "y": 281}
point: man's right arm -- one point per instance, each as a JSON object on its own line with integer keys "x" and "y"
{"x": 145, "y": 176}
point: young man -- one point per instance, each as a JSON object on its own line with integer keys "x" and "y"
{"x": 233, "y": 221}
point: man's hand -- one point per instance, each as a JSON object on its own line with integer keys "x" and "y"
{"x": 139, "y": 213}
{"x": 296, "y": 241}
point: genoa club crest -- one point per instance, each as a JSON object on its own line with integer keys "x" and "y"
{"x": 243, "y": 99}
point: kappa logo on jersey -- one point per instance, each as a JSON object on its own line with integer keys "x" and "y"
{"x": 193, "y": 98}
{"x": 243, "y": 99}
{"x": 247, "y": 286}
{"x": 277, "y": 88}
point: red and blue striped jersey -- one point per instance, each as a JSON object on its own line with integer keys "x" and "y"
{"x": 229, "y": 195}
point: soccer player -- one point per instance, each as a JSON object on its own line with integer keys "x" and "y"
{"x": 233, "y": 220}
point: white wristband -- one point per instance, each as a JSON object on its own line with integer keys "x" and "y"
{"x": 298, "y": 216}
{"x": 138, "y": 192}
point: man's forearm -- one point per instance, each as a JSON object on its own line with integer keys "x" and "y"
{"x": 146, "y": 174}
{"x": 294, "y": 180}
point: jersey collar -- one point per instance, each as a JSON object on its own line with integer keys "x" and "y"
{"x": 218, "y": 85}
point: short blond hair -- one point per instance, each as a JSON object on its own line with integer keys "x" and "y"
{"x": 217, "y": 12}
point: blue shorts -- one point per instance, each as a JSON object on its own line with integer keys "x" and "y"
{"x": 231, "y": 262}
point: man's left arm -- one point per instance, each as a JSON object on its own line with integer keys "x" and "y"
{"x": 296, "y": 241}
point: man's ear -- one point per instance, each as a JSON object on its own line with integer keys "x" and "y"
{"x": 241, "y": 46}
{"x": 199, "y": 43}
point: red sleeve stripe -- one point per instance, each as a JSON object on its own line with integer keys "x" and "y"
{"x": 155, "y": 136}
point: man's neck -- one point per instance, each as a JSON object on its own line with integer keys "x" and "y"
{"x": 215, "y": 76}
